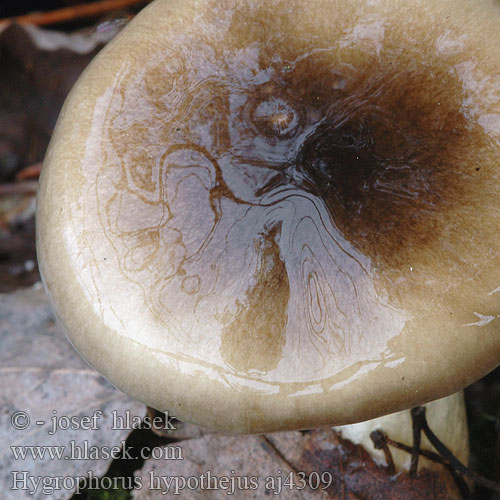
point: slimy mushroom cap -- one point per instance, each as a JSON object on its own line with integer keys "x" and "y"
{"x": 269, "y": 215}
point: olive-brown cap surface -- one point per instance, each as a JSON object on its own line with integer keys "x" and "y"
{"x": 267, "y": 215}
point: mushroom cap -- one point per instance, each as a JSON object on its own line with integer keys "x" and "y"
{"x": 268, "y": 215}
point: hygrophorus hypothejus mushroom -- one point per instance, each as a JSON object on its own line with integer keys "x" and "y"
{"x": 268, "y": 215}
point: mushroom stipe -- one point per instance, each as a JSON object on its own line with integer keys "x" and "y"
{"x": 270, "y": 215}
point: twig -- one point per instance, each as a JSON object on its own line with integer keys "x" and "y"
{"x": 66, "y": 14}
{"x": 444, "y": 455}
{"x": 417, "y": 435}
{"x": 27, "y": 187}
{"x": 433, "y": 457}
{"x": 448, "y": 455}
{"x": 380, "y": 443}
{"x": 30, "y": 172}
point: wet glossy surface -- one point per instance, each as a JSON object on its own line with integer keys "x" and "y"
{"x": 282, "y": 208}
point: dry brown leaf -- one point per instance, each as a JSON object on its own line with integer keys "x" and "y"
{"x": 292, "y": 465}
{"x": 218, "y": 466}
{"x": 41, "y": 374}
{"x": 355, "y": 474}
{"x": 37, "y": 70}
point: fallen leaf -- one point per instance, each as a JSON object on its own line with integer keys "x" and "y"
{"x": 219, "y": 466}
{"x": 42, "y": 377}
{"x": 37, "y": 70}
{"x": 315, "y": 464}
{"x": 354, "y": 473}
